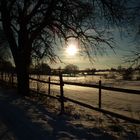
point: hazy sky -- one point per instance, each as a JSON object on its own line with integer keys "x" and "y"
{"x": 124, "y": 45}
{"x": 108, "y": 60}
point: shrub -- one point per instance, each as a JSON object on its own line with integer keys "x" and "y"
{"x": 128, "y": 74}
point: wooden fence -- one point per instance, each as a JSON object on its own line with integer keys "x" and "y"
{"x": 63, "y": 99}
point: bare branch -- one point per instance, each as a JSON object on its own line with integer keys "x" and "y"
{"x": 34, "y": 11}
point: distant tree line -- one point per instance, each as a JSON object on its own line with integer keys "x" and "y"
{"x": 42, "y": 68}
{"x": 71, "y": 69}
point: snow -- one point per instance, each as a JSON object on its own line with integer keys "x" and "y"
{"x": 32, "y": 118}
{"x": 38, "y": 117}
{"x": 123, "y": 103}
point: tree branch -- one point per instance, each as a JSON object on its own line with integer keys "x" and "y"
{"x": 45, "y": 21}
{"x": 34, "y": 11}
{"x": 8, "y": 31}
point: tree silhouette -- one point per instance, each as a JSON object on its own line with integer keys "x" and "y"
{"x": 133, "y": 16}
{"x": 43, "y": 68}
{"x": 34, "y": 26}
{"x": 133, "y": 59}
{"x": 71, "y": 69}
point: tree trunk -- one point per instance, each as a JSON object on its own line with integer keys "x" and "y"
{"x": 23, "y": 62}
{"x": 21, "y": 50}
{"x": 23, "y": 78}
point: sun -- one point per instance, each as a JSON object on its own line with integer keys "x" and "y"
{"x": 72, "y": 50}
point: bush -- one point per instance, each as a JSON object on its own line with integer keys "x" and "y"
{"x": 138, "y": 78}
{"x": 128, "y": 74}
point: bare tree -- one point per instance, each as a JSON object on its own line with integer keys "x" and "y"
{"x": 36, "y": 26}
{"x": 133, "y": 59}
{"x": 133, "y": 16}
{"x": 71, "y": 69}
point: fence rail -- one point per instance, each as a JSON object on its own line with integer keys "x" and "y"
{"x": 104, "y": 111}
{"x": 131, "y": 91}
{"x": 62, "y": 97}
{"x": 42, "y": 81}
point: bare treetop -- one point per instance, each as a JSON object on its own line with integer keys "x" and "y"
{"x": 35, "y": 26}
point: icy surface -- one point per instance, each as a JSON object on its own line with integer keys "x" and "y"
{"x": 37, "y": 118}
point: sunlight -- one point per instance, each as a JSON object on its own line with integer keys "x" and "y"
{"x": 72, "y": 49}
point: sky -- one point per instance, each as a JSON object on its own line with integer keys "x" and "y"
{"x": 111, "y": 59}
{"x": 124, "y": 44}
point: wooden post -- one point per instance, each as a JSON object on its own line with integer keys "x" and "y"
{"x": 49, "y": 91}
{"x": 100, "y": 93}
{"x": 9, "y": 76}
{"x": 2, "y": 75}
{"x": 12, "y": 80}
{"x": 5, "y": 77}
{"x": 38, "y": 84}
{"x": 61, "y": 94}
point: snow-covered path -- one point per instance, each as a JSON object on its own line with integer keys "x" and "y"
{"x": 17, "y": 122}
{"x": 25, "y": 119}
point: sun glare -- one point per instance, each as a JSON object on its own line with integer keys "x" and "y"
{"x": 71, "y": 49}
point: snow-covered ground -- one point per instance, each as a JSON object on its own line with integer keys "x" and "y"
{"x": 89, "y": 123}
{"x": 38, "y": 118}
{"x": 117, "y": 82}
{"x": 123, "y": 103}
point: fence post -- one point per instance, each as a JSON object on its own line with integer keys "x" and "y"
{"x": 9, "y": 76}
{"x": 38, "y": 84}
{"x": 49, "y": 86}
{"x": 100, "y": 93}
{"x": 61, "y": 94}
{"x": 2, "y": 76}
{"x": 5, "y": 77}
{"x": 12, "y": 79}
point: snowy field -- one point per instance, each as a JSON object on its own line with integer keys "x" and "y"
{"x": 124, "y": 103}
{"x": 35, "y": 118}
{"x": 80, "y": 123}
